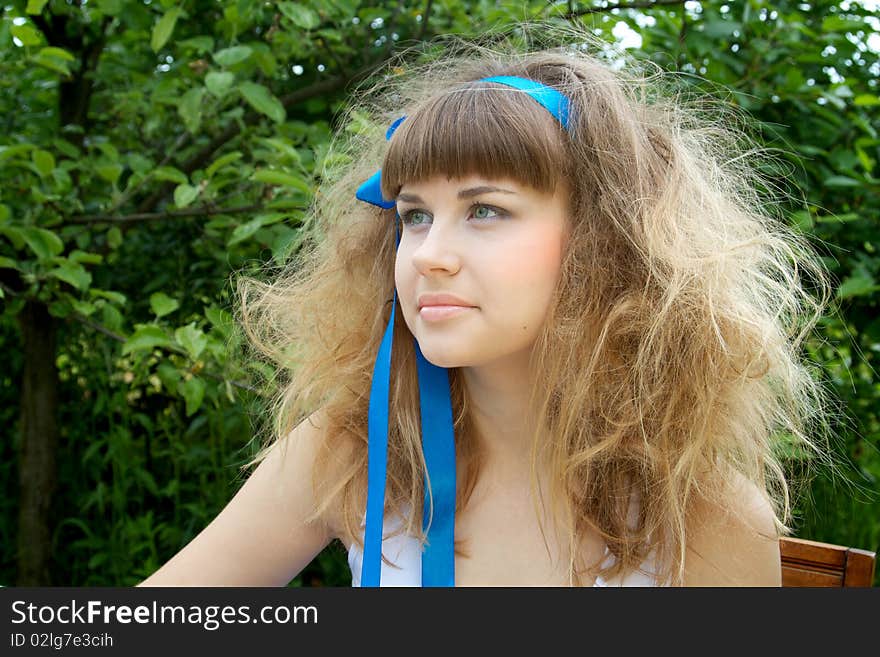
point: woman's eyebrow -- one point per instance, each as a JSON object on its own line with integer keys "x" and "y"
{"x": 463, "y": 193}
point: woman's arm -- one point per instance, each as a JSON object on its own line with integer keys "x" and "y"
{"x": 260, "y": 538}
{"x": 737, "y": 545}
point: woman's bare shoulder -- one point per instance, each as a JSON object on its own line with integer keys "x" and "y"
{"x": 736, "y": 542}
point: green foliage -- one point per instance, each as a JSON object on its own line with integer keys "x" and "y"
{"x": 149, "y": 149}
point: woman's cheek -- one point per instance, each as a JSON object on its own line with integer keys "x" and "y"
{"x": 536, "y": 261}
{"x": 405, "y": 290}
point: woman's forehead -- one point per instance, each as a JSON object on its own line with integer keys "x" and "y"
{"x": 466, "y": 186}
{"x": 463, "y": 180}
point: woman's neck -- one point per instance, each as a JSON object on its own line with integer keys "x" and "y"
{"x": 498, "y": 396}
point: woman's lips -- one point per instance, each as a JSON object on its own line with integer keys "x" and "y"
{"x": 436, "y": 313}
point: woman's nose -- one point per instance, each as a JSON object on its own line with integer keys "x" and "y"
{"x": 438, "y": 248}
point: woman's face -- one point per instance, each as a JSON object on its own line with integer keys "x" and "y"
{"x": 494, "y": 244}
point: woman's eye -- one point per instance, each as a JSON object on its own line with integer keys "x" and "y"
{"x": 479, "y": 211}
{"x": 407, "y": 217}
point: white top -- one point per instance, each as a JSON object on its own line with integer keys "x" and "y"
{"x": 405, "y": 552}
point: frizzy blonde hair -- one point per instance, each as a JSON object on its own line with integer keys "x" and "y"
{"x": 668, "y": 367}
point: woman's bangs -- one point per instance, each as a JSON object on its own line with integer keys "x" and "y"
{"x": 490, "y": 131}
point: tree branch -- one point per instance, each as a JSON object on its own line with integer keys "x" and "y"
{"x": 636, "y": 4}
{"x": 121, "y": 338}
{"x": 200, "y": 211}
{"x": 425, "y": 16}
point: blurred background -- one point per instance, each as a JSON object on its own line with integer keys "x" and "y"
{"x": 150, "y": 148}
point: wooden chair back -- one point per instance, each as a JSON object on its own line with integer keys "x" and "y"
{"x": 811, "y": 563}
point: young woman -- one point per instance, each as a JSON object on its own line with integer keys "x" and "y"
{"x": 544, "y": 332}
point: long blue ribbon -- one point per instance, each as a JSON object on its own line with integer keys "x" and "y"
{"x": 377, "y": 457}
{"x": 438, "y": 445}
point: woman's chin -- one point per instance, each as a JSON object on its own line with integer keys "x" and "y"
{"x": 442, "y": 357}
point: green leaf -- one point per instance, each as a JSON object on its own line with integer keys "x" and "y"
{"x": 83, "y": 307}
{"x": 219, "y": 318}
{"x": 111, "y": 7}
{"x": 4, "y": 213}
{"x": 865, "y": 160}
{"x": 35, "y": 7}
{"x": 840, "y": 24}
{"x": 97, "y": 560}
{"x": 89, "y": 258}
{"x": 52, "y": 65}
{"x": 8, "y": 152}
{"x": 44, "y": 161}
{"x": 193, "y": 392}
{"x": 114, "y": 237}
{"x": 59, "y": 308}
{"x": 15, "y": 235}
{"x": 116, "y": 297}
{"x": 55, "y": 59}
{"x": 27, "y": 34}
{"x": 184, "y": 195}
{"x": 145, "y": 337}
{"x": 866, "y": 100}
{"x": 170, "y": 174}
{"x": 162, "y": 304}
{"x": 58, "y": 53}
{"x": 838, "y": 218}
{"x": 301, "y": 16}
{"x": 7, "y": 263}
{"x": 163, "y": 29}
{"x": 283, "y": 148}
{"x": 262, "y": 100}
{"x": 139, "y": 163}
{"x": 274, "y": 177}
{"x": 109, "y": 172}
{"x": 145, "y": 478}
{"x": 802, "y": 220}
{"x": 230, "y": 393}
{"x": 109, "y": 150}
{"x": 841, "y": 181}
{"x": 111, "y": 317}
{"x": 245, "y": 230}
{"x": 221, "y": 162}
{"x": 857, "y": 286}
{"x": 285, "y": 242}
{"x": 169, "y": 375}
{"x": 190, "y": 108}
{"x": 720, "y": 29}
{"x": 73, "y": 273}
{"x": 44, "y": 243}
{"x": 233, "y": 55}
{"x": 199, "y": 44}
{"x": 192, "y": 339}
{"x": 270, "y": 218}
{"x": 219, "y": 83}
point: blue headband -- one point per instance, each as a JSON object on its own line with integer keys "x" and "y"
{"x": 438, "y": 439}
